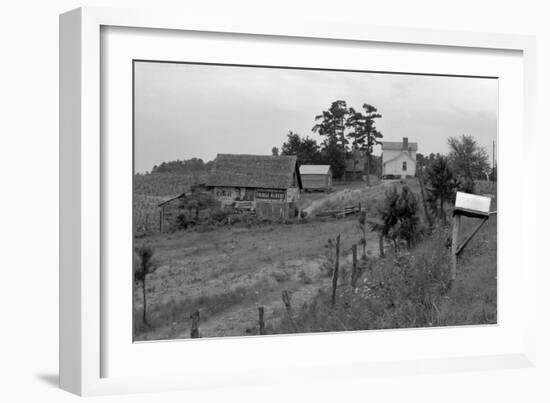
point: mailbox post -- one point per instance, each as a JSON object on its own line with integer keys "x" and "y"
{"x": 468, "y": 205}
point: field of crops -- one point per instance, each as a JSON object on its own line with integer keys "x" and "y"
{"x": 166, "y": 183}
{"x": 152, "y": 189}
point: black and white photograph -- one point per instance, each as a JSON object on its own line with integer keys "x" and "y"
{"x": 270, "y": 200}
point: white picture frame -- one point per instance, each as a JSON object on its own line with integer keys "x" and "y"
{"x": 83, "y": 183}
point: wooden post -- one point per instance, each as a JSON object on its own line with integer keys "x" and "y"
{"x": 354, "y": 266}
{"x": 195, "y": 325}
{"x": 161, "y": 219}
{"x": 454, "y": 244}
{"x": 147, "y": 222}
{"x": 381, "y": 244}
{"x": 288, "y": 308}
{"x": 335, "y": 272}
{"x": 424, "y": 202}
{"x": 261, "y": 322}
{"x": 469, "y": 237}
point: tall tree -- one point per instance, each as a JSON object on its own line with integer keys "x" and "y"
{"x": 468, "y": 159}
{"x": 331, "y": 126}
{"x": 363, "y": 133}
{"x": 306, "y": 149}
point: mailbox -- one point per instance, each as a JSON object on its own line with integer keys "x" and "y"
{"x": 472, "y": 205}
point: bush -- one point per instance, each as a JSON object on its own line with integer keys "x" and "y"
{"x": 218, "y": 215}
{"x": 280, "y": 276}
{"x": 399, "y": 217}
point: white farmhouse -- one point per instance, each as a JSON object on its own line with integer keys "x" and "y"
{"x": 399, "y": 158}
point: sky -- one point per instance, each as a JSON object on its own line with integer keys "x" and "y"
{"x": 187, "y": 110}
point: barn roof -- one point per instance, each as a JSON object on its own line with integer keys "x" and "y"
{"x": 254, "y": 171}
{"x": 398, "y": 146}
{"x": 314, "y": 169}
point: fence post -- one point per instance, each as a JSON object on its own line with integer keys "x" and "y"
{"x": 288, "y": 308}
{"x": 381, "y": 244}
{"x": 195, "y": 325}
{"x": 424, "y": 202}
{"x": 335, "y": 272}
{"x": 454, "y": 244}
{"x": 261, "y": 320}
{"x": 354, "y": 266}
{"x": 161, "y": 219}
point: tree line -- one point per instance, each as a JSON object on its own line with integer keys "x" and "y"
{"x": 343, "y": 130}
{"x": 186, "y": 166}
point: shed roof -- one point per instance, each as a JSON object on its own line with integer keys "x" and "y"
{"x": 180, "y": 196}
{"x": 398, "y": 145}
{"x": 314, "y": 169}
{"x": 254, "y": 171}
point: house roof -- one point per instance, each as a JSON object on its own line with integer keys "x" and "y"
{"x": 253, "y": 171}
{"x": 398, "y": 145}
{"x": 314, "y": 169}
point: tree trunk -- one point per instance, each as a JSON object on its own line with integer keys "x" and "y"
{"x": 143, "y": 284}
{"x": 443, "y": 215}
{"x": 367, "y": 167}
{"x": 381, "y": 244}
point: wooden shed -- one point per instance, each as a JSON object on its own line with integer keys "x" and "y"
{"x": 271, "y": 184}
{"x": 169, "y": 211}
{"x": 316, "y": 177}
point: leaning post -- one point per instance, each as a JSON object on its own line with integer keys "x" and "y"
{"x": 454, "y": 244}
{"x": 354, "y": 273}
{"x": 335, "y": 272}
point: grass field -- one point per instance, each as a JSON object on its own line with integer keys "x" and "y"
{"x": 228, "y": 272}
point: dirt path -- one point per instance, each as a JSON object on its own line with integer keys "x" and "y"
{"x": 242, "y": 319}
{"x": 345, "y": 197}
{"x": 229, "y": 272}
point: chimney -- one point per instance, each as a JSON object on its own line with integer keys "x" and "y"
{"x": 405, "y": 144}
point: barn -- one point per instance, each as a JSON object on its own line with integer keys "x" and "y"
{"x": 270, "y": 184}
{"x": 398, "y": 158}
{"x": 316, "y": 177}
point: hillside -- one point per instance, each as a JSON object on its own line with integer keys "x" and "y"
{"x": 166, "y": 184}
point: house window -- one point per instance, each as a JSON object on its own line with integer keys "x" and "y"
{"x": 404, "y": 165}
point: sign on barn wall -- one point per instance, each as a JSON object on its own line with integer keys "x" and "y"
{"x": 269, "y": 194}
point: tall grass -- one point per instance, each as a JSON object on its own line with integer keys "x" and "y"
{"x": 177, "y": 311}
{"x": 407, "y": 290}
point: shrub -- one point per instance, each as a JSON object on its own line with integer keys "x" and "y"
{"x": 280, "y": 276}
{"x": 442, "y": 185}
{"x": 218, "y": 215}
{"x": 399, "y": 217}
{"x": 304, "y": 278}
{"x": 144, "y": 265}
